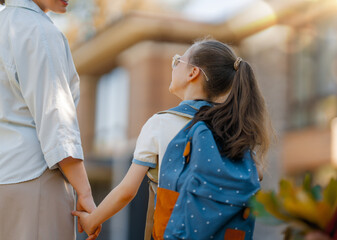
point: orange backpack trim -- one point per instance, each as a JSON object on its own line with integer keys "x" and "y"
{"x": 187, "y": 151}
{"x": 166, "y": 200}
{"x": 232, "y": 234}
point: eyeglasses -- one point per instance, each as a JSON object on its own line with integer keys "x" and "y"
{"x": 177, "y": 59}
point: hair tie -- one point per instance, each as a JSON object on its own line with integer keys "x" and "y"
{"x": 237, "y": 63}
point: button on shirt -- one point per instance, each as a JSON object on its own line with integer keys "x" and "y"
{"x": 39, "y": 91}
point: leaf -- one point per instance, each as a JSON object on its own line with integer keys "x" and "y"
{"x": 330, "y": 193}
{"x": 307, "y": 183}
{"x": 298, "y": 202}
{"x": 303, "y": 207}
{"x": 287, "y": 189}
{"x": 306, "y": 208}
{"x": 271, "y": 204}
{"x": 259, "y": 211}
{"x": 316, "y": 192}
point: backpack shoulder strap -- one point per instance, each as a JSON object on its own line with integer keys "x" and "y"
{"x": 184, "y": 110}
{"x": 190, "y": 133}
{"x": 149, "y": 214}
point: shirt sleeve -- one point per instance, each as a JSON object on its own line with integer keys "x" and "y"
{"x": 147, "y": 148}
{"x": 44, "y": 72}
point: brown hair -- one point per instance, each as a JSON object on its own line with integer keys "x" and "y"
{"x": 2, "y": 2}
{"x": 241, "y": 122}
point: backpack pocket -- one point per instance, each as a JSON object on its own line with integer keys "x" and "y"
{"x": 166, "y": 200}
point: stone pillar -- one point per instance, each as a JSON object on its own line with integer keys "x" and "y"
{"x": 150, "y": 77}
{"x": 86, "y": 111}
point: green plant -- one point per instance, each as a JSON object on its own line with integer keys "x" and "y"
{"x": 303, "y": 208}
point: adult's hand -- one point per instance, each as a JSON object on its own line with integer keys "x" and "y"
{"x": 87, "y": 204}
{"x": 75, "y": 172}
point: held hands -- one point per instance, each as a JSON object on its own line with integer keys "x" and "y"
{"x": 87, "y": 225}
{"x": 74, "y": 171}
{"x": 85, "y": 205}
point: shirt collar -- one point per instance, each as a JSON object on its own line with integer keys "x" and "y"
{"x": 28, "y": 4}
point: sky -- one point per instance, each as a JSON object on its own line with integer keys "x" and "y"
{"x": 213, "y": 11}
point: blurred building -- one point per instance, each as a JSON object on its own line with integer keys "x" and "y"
{"x": 125, "y": 73}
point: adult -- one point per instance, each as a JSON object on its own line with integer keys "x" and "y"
{"x": 40, "y": 147}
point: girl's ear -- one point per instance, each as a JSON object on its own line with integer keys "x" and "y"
{"x": 193, "y": 74}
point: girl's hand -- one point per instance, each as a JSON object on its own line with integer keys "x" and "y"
{"x": 88, "y": 226}
{"x": 85, "y": 203}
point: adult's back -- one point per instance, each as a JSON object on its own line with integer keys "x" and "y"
{"x": 38, "y": 93}
{"x": 39, "y": 133}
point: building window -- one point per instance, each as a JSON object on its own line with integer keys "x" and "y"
{"x": 313, "y": 68}
{"x": 112, "y": 108}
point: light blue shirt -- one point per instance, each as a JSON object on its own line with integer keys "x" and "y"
{"x": 39, "y": 92}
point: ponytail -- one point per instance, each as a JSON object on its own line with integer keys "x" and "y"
{"x": 240, "y": 123}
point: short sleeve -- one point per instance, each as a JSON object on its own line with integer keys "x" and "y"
{"x": 147, "y": 147}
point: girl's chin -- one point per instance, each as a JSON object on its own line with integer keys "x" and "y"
{"x": 172, "y": 91}
{"x": 170, "y": 88}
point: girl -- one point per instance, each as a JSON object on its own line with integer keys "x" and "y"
{"x": 211, "y": 78}
{"x": 39, "y": 133}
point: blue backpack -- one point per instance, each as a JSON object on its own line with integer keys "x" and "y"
{"x": 201, "y": 194}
